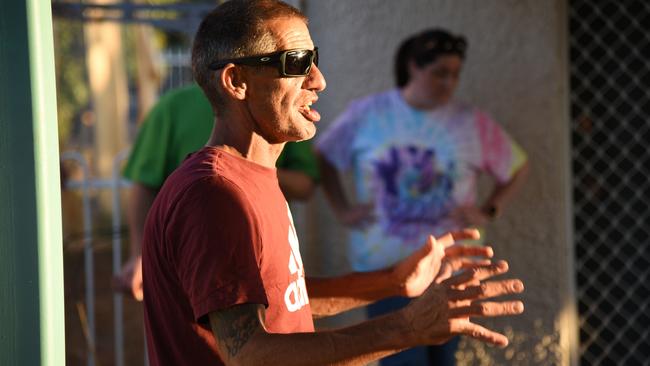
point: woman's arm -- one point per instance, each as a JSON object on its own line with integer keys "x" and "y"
{"x": 347, "y": 214}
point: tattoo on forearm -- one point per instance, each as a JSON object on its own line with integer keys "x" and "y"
{"x": 234, "y": 327}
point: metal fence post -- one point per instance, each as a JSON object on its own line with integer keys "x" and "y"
{"x": 89, "y": 261}
{"x": 118, "y": 311}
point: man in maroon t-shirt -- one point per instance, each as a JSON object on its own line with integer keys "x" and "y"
{"x": 223, "y": 278}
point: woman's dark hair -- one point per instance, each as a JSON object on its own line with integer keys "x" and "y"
{"x": 424, "y": 48}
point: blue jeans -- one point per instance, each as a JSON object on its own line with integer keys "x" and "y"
{"x": 443, "y": 355}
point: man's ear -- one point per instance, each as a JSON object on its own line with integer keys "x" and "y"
{"x": 233, "y": 82}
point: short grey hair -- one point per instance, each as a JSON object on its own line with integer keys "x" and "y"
{"x": 234, "y": 29}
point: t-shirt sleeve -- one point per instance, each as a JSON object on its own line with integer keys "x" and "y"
{"x": 147, "y": 161}
{"x": 218, "y": 247}
{"x": 299, "y": 156}
{"x": 501, "y": 156}
{"x": 336, "y": 143}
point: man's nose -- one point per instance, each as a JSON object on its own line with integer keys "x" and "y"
{"x": 315, "y": 80}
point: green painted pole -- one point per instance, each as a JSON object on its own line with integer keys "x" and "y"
{"x": 32, "y": 330}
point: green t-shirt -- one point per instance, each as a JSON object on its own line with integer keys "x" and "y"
{"x": 179, "y": 124}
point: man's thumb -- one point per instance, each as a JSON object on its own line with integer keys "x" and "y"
{"x": 429, "y": 246}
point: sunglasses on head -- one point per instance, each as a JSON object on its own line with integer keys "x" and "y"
{"x": 292, "y": 63}
{"x": 456, "y": 45}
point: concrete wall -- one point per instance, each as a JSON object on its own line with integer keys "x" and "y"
{"x": 516, "y": 69}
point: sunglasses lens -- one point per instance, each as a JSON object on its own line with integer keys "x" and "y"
{"x": 297, "y": 62}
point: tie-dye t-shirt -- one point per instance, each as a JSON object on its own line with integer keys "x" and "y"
{"x": 415, "y": 166}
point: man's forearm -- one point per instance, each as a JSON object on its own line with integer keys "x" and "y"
{"x": 443, "y": 311}
{"x": 330, "y": 296}
{"x": 356, "y": 345}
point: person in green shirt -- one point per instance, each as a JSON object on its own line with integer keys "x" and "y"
{"x": 179, "y": 124}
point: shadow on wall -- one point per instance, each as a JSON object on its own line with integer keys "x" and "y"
{"x": 531, "y": 346}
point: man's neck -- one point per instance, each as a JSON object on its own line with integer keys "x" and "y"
{"x": 241, "y": 140}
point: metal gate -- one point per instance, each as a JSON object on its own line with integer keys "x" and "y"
{"x": 610, "y": 110}
{"x": 184, "y": 21}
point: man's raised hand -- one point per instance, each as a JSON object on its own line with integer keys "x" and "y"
{"x": 445, "y": 309}
{"x": 438, "y": 259}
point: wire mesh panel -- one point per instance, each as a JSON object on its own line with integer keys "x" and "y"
{"x": 610, "y": 108}
{"x": 178, "y": 69}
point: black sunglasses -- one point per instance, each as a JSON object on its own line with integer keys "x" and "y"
{"x": 293, "y": 63}
{"x": 456, "y": 45}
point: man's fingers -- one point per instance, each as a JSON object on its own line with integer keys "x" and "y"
{"x": 429, "y": 246}
{"x": 453, "y": 265}
{"x": 136, "y": 281}
{"x": 467, "y": 263}
{"x": 479, "y": 333}
{"x": 473, "y": 263}
{"x": 486, "y": 290}
{"x": 136, "y": 288}
{"x": 488, "y": 309}
{"x": 468, "y": 251}
{"x": 478, "y": 273}
{"x": 424, "y": 250}
{"x": 466, "y": 234}
{"x": 138, "y": 294}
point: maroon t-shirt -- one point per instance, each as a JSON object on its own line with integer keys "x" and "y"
{"x": 219, "y": 233}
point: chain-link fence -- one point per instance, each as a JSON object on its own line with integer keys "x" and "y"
{"x": 610, "y": 108}
{"x": 178, "y": 69}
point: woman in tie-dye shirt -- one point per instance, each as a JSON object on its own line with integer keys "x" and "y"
{"x": 416, "y": 156}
